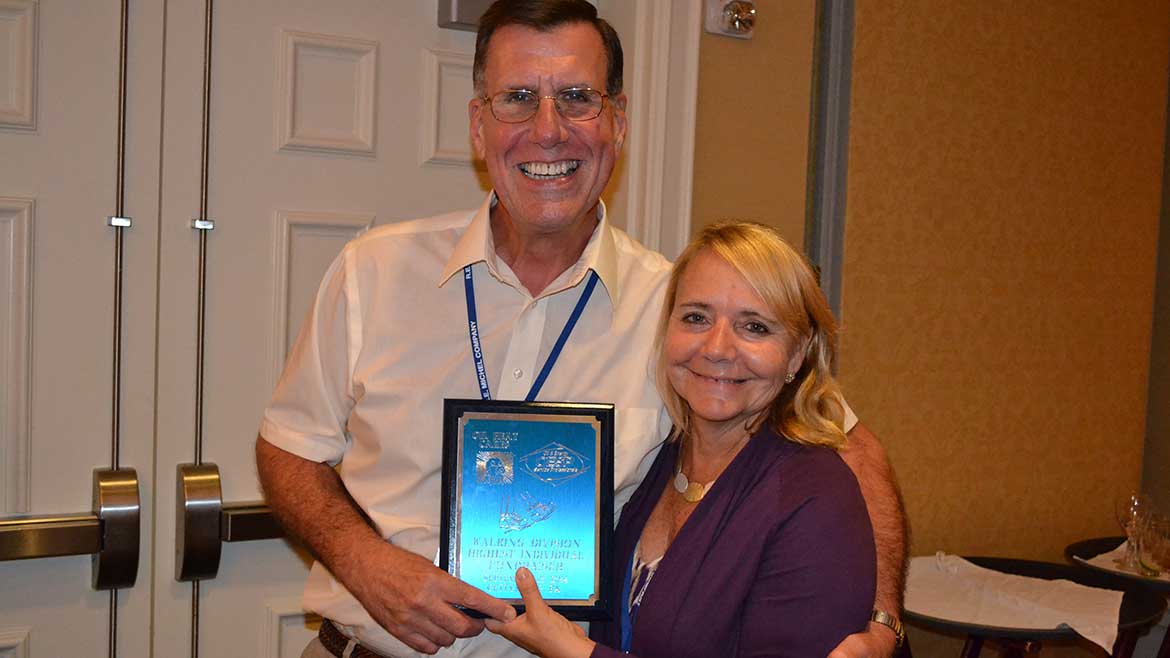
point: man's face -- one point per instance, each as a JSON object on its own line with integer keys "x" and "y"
{"x": 547, "y": 171}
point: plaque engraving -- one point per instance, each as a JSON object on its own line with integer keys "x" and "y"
{"x": 530, "y": 484}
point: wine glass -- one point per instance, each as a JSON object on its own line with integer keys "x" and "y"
{"x": 1154, "y": 546}
{"x": 1131, "y": 510}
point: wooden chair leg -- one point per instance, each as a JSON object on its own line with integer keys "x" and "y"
{"x": 1164, "y": 652}
{"x": 1125, "y": 644}
{"x": 972, "y": 647}
{"x": 1020, "y": 649}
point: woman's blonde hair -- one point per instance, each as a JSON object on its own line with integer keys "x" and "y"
{"x": 811, "y": 409}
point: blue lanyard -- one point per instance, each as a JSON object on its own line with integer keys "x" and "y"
{"x": 627, "y": 619}
{"x": 477, "y": 349}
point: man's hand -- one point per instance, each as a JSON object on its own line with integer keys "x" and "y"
{"x": 415, "y": 601}
{"x": 876, "y": 642}
{"x": 541, "y": 630}
{"x": 402, "y": 591}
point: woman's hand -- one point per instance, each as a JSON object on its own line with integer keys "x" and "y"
{"x": 541, "y": 630}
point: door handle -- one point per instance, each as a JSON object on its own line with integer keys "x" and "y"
{"x": 110, "y": 533}
{"x": 204, "y": 522}
{"x": 200, "y": 501}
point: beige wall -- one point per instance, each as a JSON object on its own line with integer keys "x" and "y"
{"x": 751, "y": 138}
{"x": 1004, "y": 186}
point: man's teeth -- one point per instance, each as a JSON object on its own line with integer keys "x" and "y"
{"x": 545, "y": 170}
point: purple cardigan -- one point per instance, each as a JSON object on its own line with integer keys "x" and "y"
{"x": 777, "y": 560}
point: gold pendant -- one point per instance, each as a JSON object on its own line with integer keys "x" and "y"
{"x": 694, "y": 492}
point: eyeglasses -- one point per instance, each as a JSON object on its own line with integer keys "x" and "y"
{"x": 520, "y": 105}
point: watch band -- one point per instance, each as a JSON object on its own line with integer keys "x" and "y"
{"x": 893, "y": 623}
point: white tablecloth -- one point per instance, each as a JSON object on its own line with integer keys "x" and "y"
{"x": 949, "y": 587}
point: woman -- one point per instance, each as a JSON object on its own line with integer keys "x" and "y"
{"x": 749, "y": 536}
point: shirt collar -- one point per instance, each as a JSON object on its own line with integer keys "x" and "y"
{"x": 476, "y": 245}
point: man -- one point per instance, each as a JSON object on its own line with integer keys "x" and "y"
{"x": 388, "y": 338}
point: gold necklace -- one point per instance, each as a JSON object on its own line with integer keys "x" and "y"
{"x": 692, "y": 492}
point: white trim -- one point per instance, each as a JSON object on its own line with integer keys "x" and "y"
{"x": 22, "y": 83}
{"x": 363, "y": 57}
{"x": 277, "y": 611}
{"x": 665, "y": 75}
{"x": 686, "y": 99}
{"x": 16, "y": 254}
{"x": 647, "y": 125}
{"x": 435, "y": 65}
{"x": 288, "y": 223}
{"x": 14, "y": 642}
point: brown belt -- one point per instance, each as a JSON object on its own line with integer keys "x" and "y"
{"x": 335, "y": 642}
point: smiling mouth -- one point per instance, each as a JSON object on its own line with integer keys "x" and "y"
{"x": 718, "y": 380}
{"x": 548, "y": 170}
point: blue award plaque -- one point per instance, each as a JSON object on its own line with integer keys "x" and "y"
{"x": 530, "y": 484}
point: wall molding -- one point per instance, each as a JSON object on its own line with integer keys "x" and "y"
{"x": 662, "y": 148}
{"x": 828, "y": 191}
{"x": 288, "y": 225}
{"x": 441, "y": 70}
{"x": 1156, "y": 456}
{"x": 279, "y": 614}
{"x": 16, "y": 288}
{"x": 18, "y": 102}
{"x": 292, "y": 133}
{"x": 14, "y": 642}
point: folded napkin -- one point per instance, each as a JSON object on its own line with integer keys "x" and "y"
{"x": 1106, "y": 561}
{"x": 949, "y": 587}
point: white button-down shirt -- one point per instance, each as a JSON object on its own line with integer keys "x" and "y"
{"x": 387, "y": 340}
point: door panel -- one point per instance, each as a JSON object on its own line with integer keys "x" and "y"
{"x": 58, "y": 184}
{"x": 324, "y": 117}
{"x": 62, "y": 169}
{"x": 316, "y": 111}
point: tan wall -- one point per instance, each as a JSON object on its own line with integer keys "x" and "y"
{"x": 1003, "y": 195}
{"x": 751, "y": 138}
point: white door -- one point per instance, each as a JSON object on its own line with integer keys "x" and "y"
{"x": 323, "y": 117}
{"x": 59, "y": 96}
{"x": 326, "y": 117}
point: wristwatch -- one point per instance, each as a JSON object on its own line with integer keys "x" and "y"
{"x": 886, "y": 619}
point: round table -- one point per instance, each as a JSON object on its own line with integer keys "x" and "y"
{"x": 1091, "y": 548}
{"x": 1140, "y": 608}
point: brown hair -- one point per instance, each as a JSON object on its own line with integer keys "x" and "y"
{"x": 811, "y": 409}
{"x": 545, "y": 15}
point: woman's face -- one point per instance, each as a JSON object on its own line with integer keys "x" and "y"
{"x": 726, "y": 353}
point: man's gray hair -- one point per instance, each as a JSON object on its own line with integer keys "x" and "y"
{"x": 545, "y": 15}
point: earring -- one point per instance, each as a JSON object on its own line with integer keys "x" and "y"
{"x": 789, "y": 378}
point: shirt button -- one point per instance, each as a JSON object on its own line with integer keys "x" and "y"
{"x": 517, "y": 373}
